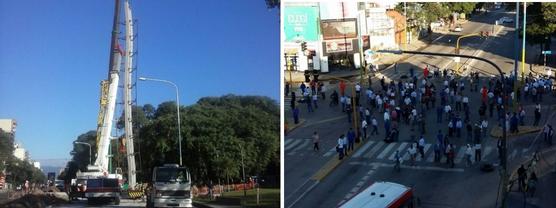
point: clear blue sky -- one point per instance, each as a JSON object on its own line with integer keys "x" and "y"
{"x": 53, "y": 55}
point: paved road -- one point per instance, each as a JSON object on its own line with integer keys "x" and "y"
{"x": 436, "y": 185}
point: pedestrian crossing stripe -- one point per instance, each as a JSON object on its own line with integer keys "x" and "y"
{"x": 460, "y": 154}
{"x": 425, "y": 149}
{"x": 287, "y": 141}
{"x": 386, "y": 150}
{"x": 374, "y": 150}
{"x": 400, "y": 148}
{"x": 295, "y": 142}
{"x": 363, "y": 149}
{"x": 382, "y": 150}
{"x": 330, "y": 152}
{"x": 299, "y": 147}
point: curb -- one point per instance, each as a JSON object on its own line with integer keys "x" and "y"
{"x": 497, "y": 131}
{"x": 293, "y": 127}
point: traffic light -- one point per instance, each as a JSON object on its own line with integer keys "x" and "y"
{"x": 303, "y": 46}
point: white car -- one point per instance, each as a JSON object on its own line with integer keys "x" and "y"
{"x": 506, "y": 20}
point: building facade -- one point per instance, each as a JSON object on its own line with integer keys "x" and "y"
{"x": 327, "y": 35}
{"x": 8, "y": 125}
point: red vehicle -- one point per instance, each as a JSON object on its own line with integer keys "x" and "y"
{"x": 382, "y": 195}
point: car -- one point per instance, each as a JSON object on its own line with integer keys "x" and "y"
{"x": 59, "y": 184}
{"x": 457, "y": 29}
{"x": 506, "y": 20}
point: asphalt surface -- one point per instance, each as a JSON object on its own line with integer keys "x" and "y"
{"x": 436, "y": 185}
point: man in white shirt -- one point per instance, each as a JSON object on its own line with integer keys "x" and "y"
{"x": 364, "y": 127}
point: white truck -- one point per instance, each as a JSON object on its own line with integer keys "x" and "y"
{"x": 171, "y": 187}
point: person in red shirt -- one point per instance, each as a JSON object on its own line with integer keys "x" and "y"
{"x": 426, "y": 72}
{"x": 484, "y": 92}
{"x": 342, "y": 87}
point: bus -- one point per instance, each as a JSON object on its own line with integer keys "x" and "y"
{"x": 382, "y": 195}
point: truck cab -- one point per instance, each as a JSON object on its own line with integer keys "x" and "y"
{"x": 171, "y": 187}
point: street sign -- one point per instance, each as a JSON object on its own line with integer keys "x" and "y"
{"x": 546, "y": 52}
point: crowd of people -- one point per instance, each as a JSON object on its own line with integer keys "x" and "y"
{"x": 408, "y": 103}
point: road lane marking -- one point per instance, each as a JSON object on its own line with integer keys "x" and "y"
{"x": 385, "y": 151}
{"x": 286, "y": 148}
{"x": 363, "y": 149}
{"x": 427, "y": 146}
{"x": 460, "y": 154}
{"x": 287, "y": 141}
{"x": 303, "y": 194}
{"x": 433, "y": 168}
{"x": 330, "y": 152}
{"x": 301, "y": 146}
{"x": 374, "y": 150}
{"x": 400, "y": 148}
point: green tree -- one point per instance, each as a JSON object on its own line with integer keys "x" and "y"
{"x": 461, "y": 7}
{"x": 541, "y": 24}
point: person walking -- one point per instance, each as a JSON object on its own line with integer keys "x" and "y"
{"x": 548, "y": 131}
{"x": 478, "y": 152}
{"x": 422, "y": 147}
{"x": 468, "y": 155}
{"x": 437, "y": 149}
{"x": 296, "y": 115}
{"x": 315, "y": 99}
{"x": 521, "y": 176}
{"x": 537, "y": 114}
{"x": 351, "y": 139}
{"x": 364, "y": 127}
{"x": 333, "y": 99}
{"x": 397, "y": 160}
{"x": 340, "y": 147}
{"x": 316, "y": 141}
{"x": 374, "y": 123}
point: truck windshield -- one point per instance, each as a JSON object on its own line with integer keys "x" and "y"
{"x": 172, "y": 175}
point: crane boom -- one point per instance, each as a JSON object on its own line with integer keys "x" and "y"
{"x": 127, "y": 95}
{"x": 104, "y": 129}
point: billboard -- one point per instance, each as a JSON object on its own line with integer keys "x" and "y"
{"x": 339, "y": 29}
{"x": 349, "y": 46}
{"x": 301, "y": 23}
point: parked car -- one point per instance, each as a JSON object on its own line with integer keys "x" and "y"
{"x": 506, "y": 20}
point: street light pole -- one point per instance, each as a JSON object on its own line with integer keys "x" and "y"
{"x": 90, "y": 156}
{"x": 177, "y": 108}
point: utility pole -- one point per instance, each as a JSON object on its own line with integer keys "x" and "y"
{"x": 523, "y": 42}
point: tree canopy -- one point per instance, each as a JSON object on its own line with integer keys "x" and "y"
{"x": 218, "y": 134}
{"x": 17, "y": 170}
